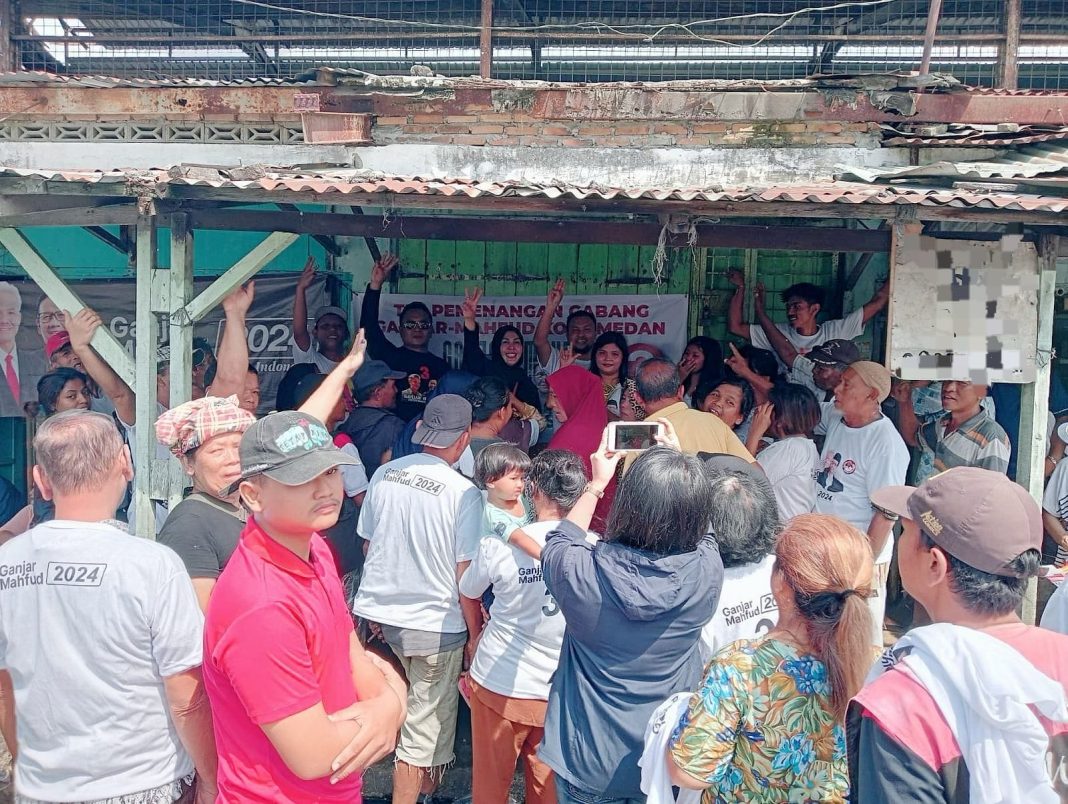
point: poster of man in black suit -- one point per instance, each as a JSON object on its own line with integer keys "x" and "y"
{"x": 20, "y": 367}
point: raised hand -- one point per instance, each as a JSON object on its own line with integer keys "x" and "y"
{"x": 307, "y": 276}
{"x": 736, "y": 278}
{"x": 759, "y": 297}
{"x": 567, "y": 356}
{"x": 240, "y": 300}
{"x": 81, "y": 327}
{"x": 470, "y": 304}
{"x": 736, "y": 362}
{"x": 381, "y": 270}
{"x": 351, "y": 362}
{"x": 603, "y": 463}
{"x": 901, "y": 390}
{"x": 667, "y": 437}
{"x": 556, "y": 295}
{"x": 762, "y": 416}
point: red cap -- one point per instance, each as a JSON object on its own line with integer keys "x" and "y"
{"x": 55, "y": 342}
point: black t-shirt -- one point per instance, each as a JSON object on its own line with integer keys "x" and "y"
{"x": 345, "y": 545}
{"x": 373, "y": 431}
{"x": 422, "y": 369}
{"x": 204, "y": 532}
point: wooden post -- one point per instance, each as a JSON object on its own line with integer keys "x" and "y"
{"x": 485, "y": 41}
{"x": 1034, "y": 397}
{"x": 9, "y": 48}
{"x": 1010, "y": 51}
{"x": 929, "y": 35}
{"x": 237, "y": 274}
{"x": 144, "y": 447}
{"x": 180, "y": 336}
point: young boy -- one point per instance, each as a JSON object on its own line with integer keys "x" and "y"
{"x": 282, "y": 665}
{"x": 500, "y": 471}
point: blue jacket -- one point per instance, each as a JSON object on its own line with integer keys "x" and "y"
{"x": 634, "y": 622}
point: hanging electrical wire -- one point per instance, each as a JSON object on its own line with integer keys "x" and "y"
{"x": 593, "y": 25}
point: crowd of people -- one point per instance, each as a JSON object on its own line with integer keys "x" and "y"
{"x": 399, "y": 539}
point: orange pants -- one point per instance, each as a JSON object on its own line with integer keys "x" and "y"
{"x": 504, "y": 730}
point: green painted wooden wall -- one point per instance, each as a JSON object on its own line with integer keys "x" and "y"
{"x": 528, "y": 269}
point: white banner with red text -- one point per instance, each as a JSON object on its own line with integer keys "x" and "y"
{"x": 654, "y": 326}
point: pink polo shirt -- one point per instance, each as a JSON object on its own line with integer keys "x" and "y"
{"x": 276, "y": 642}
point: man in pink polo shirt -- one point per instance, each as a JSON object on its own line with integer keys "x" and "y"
{"x": 282, "y": 666}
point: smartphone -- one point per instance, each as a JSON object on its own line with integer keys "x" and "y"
{"x": 633, "y": 436}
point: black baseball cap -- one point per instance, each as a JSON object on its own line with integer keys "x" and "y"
{"x": 835, "y": 352}
{"x": 290, "y": 447}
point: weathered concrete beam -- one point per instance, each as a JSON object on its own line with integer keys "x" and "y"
{"x": 627, "y": 102}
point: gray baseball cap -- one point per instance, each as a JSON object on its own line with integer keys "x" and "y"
{"x": 445, "y": 419}
{"x": 330, "y": 310}
{"x": 372, "y": 373}
{"x": 290, "y": 447}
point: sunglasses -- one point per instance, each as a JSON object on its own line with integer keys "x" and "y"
{"x": 416, "y": 325}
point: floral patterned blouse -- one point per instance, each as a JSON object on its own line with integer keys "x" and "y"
{"x": 761, "y": 729}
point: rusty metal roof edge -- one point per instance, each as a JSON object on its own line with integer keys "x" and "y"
{"x": 349, "y": 182}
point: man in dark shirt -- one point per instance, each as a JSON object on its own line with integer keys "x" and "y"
{"x": 421, "y": 368}
{"x": 372, "y": 427}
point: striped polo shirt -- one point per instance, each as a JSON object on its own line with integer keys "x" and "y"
{"x": 979, "y": 441}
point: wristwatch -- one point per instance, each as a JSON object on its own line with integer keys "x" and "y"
{"x": 598, "y": 493}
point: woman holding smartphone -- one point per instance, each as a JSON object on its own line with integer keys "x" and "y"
{"x": 635, "y": 604}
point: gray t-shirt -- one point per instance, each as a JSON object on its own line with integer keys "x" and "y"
{"x": 413, "y": 642}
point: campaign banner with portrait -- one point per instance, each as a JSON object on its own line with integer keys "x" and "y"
{"x": 31, "y": 318}
{"x": 654, "y": 326}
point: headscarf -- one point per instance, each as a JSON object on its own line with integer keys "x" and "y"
{"x": 191, "y": 424}
{"x": 451, "y": 382}
{"x": 580, "y": 394}
{"x": 514, "y": 377}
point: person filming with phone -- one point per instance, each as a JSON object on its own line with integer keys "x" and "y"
{"x": 635, "y": 603}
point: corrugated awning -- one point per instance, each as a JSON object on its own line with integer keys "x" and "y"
{"x": 874, "y": 187}
{"x": 1040, "y": 166}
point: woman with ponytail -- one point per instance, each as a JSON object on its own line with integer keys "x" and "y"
{"x": 767, "y": 723}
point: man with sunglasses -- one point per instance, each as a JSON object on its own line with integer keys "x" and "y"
{"x": 413, "y": 357}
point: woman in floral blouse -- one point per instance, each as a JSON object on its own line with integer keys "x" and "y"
{"x": 766, "y": 725}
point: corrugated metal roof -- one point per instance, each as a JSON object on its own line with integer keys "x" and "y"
{"x": 1044, "y": 165}
{"x": 349, "y": 182}
{"x": 968, "y": 136}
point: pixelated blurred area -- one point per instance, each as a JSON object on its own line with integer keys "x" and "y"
{"x": 964, "y": 309}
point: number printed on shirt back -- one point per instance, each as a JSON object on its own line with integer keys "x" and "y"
{"x": 67, "y": 574}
